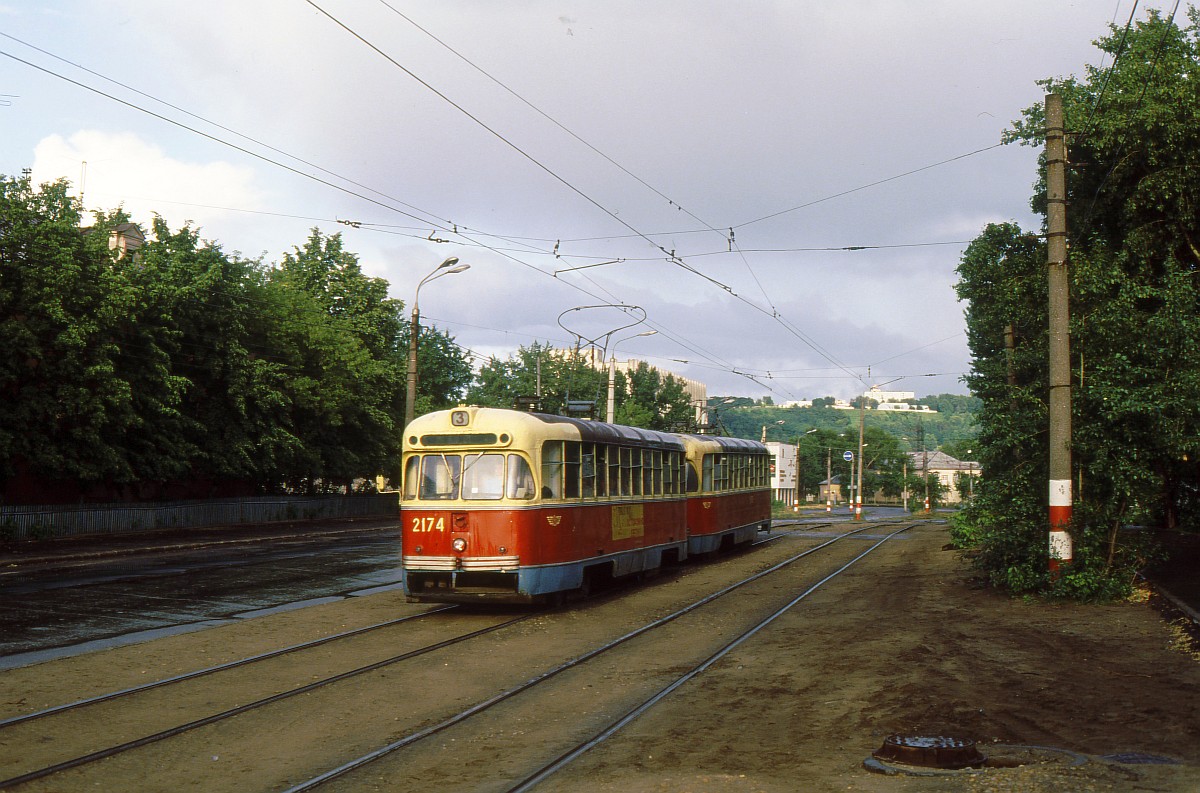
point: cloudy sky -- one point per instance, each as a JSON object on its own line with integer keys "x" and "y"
{"x": 707, "y": 162}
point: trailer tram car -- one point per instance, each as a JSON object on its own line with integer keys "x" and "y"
{"x": 507, "y": 506}
{"x": 728, "y": 486}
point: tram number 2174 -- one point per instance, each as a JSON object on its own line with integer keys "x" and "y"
{"x": 428, "y": 524}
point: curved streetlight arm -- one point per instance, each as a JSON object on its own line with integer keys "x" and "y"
{"x": 447, "y": 267}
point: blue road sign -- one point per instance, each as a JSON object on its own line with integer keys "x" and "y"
{"x": 847, "y": 456}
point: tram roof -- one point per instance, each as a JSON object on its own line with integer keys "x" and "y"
{"x": 591, "y": 431}
{"x": 601, "y": 432}
{"x": 721, "y": 443}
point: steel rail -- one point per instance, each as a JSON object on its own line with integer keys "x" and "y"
{"x": 570, "y": 756}
{"x": 20, "y": 719}
{"x": 496, "y": 699}
{"x": 125, "y": 692}
{"x": 100, "y": 754}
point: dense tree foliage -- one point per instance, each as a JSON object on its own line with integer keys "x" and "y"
{"x": 1134, "y": 225}
{"x": 643, "y": 398}
{"x": 178, "y": 368}
{"x": 824, "y": 434}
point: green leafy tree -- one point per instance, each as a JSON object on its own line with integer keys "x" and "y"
{"x": 564, "y": 375}
{"x": 642, "y": 398}
{"x": 345, "y": 365}
{"x": 206, "y": 312}
{"x": 653, "y": 401}
{"x": 1135, "y": 337}
{"x": 63, "y": 310}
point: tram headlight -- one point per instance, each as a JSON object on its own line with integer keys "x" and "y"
{"x": 459, "y": 544}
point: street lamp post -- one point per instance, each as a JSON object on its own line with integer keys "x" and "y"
{"x": 610, "y": 412}
{"x": 862, "y": 415}
{"x": 798, "y": 490}
{"x": 970, "y": 478}
{"x": 829, "y": 479}
{"x": 445, "y": 268}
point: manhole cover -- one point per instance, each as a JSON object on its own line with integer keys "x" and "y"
{"x": 930, "y": 751}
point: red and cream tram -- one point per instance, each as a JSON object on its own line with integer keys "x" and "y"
{"x": 729, "y": 499}
{"x": 506, "y": 506}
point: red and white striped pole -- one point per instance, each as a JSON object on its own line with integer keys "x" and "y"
{"x": 1060, "y": 550}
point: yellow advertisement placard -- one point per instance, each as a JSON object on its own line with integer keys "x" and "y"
{"x": 627, "y": 521}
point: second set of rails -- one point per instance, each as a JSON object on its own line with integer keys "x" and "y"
{"x": 387, "y": 753}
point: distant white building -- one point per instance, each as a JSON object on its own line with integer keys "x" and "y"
{"x": 784, "y": 484}
{"x": 908, "y": 406}
{"x": 896, "y": 400}
{"x": 888, "y": 396}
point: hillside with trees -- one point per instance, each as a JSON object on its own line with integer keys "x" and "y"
{"x": 952, "y": 429}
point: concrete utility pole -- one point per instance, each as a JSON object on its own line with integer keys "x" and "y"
{"x": 862, "y": 418}
{"x": 829, "y": 479}
{"x": 924, "y": 464}
{"x": 1060, "y": 548}
{"x": 796, "y": 482}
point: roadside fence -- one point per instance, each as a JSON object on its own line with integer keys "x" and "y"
{"x": 48, "y": 522}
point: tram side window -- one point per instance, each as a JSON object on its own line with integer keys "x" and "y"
{"x": 735, "y": 470}
{"x": 589, "y": 469}
{"x": 439, "y": 477}
{"x": 656, "y": 485}
{"x": 761, "y": 479}
{"x": 571, "y": 470}
{"x": 602, "y": 470}
{"x": 669, "y": 469}
{"x": 483, "y": 477}
{"x": 626, "y": 470}
{"x": 636, "y": 473}
{"x": 520, "y": 478}
{"x": 552, "y": 469}
{"x": 721, "y": 472}
{"x": 707, "y": 476}
{"x": 412, "y": 475}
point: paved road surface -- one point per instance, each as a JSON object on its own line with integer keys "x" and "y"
{"x": 57, "y": 601}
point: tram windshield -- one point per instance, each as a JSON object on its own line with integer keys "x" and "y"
{"x": 472, "y": 477}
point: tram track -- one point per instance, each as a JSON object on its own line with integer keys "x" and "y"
{"x": 229, "y": 713}
{"x": 48, "y": 772}
{"x": 581, "y": 748}
{"x": 132, "y": 690}
{"x": 483, "y": 707}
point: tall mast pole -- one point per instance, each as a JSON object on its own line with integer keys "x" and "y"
{"x": 1060, "y": 547}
